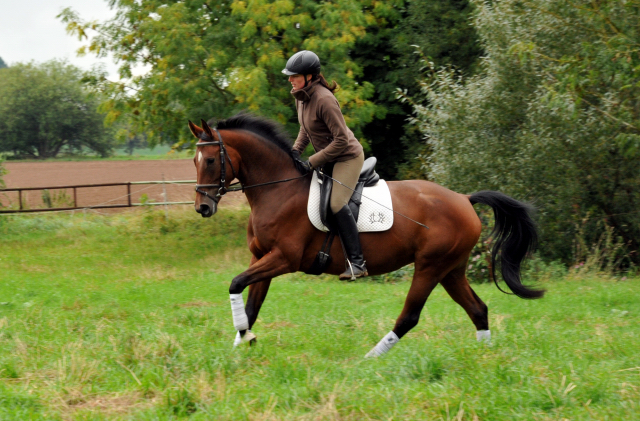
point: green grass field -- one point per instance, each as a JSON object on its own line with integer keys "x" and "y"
{"x": 127, "y": 317}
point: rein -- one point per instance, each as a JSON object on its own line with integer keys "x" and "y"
{"x": 224, "y": 156}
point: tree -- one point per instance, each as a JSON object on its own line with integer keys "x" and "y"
{"x": 45, "y": 108}
{"x": 3, "y": 65}
{"x": 553, "y": 117}
{"x": 215, "y": 58}
{"x": 395, "y": 32}
{"x": 387, "y": 53}
{"x": 132, "y": 141}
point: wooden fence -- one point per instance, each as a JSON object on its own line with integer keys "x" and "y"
{"x": 22, "y": 206}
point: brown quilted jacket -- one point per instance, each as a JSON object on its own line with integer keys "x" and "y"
{"x": 322, "y": 123}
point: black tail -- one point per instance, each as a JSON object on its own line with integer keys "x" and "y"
{"x": 515, "y": 237}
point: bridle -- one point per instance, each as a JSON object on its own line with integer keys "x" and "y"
{"x": 224, "y": 156}
{"x": 222, "y": 189}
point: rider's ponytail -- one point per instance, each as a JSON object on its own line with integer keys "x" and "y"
{"x": 333, "y": 87}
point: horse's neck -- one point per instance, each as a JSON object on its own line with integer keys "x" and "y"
{"x": 262, "y": 163}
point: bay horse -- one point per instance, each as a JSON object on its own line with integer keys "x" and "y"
{"x": 282, "y": 239}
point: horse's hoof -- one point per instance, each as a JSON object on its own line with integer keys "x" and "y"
{"x": 249, "y": 336}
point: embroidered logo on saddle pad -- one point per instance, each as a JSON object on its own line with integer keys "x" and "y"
{"x": 372, "y": 217}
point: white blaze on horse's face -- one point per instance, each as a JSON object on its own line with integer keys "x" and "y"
{"x": 204, "y": 205}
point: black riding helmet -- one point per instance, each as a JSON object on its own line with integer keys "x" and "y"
{"x": 302, "y": 63}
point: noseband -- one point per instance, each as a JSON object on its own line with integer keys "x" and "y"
{"x": 222, "y": 189}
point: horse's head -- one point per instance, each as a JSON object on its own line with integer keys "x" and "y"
{"x": 208, "y": 169}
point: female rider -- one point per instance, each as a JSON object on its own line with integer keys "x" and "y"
{"x": 322, "y": 124}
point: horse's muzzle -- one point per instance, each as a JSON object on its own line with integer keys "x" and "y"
{"x": 207, "y": 210}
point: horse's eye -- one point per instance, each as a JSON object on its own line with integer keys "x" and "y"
{"x": 210, "y": 161}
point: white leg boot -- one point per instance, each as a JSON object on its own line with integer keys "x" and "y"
{"x": 384, "y": 345}
{"x": 484, "y": 336}
{"x": 240, "y": 320}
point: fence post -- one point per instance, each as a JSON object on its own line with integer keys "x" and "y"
{"x": 129, "y": 193}
{"x": 20, "y": 198}
{"x": 164, "y": 195}
{"x": 75, "y": 198}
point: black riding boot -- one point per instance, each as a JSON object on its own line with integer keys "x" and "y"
{"x": 351, "y": 241}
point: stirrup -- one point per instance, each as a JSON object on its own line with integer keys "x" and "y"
{"x": 354, "y": 271}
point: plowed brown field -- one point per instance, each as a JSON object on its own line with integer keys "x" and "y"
{"x": 55, "y": 174}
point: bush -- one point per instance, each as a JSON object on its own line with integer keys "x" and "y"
{"x": 553, "y": 119}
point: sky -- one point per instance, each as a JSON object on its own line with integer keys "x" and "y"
{"x": 30, "y": 31}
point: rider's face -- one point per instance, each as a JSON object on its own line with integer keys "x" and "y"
{"x": 297, "y": 81}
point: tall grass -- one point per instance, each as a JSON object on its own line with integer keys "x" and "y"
{"x": 607, "y": 256}
{"x": 127, "y": 317}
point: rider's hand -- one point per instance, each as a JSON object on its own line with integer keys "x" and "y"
{"x": 305, "y": 167}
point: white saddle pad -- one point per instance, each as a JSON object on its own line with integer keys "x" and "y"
{"x": 372, "y": 216}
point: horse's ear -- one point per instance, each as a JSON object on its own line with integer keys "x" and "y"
{"x": 206, "y": 128}
{"x": 197, "y": 131}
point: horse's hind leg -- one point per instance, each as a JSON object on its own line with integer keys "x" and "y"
{"x": 457, "y": 285}
{"x": 257, "y": 295}
{"x": 424, "y": 280}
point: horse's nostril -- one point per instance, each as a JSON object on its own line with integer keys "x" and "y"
{"x": 204, "y": 209}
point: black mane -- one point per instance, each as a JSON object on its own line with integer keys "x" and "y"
{"x": 267, "y": 129}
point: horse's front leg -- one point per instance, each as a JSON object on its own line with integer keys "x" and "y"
{"x": 257, "y": 295}
{"x": 269, "y": 266}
